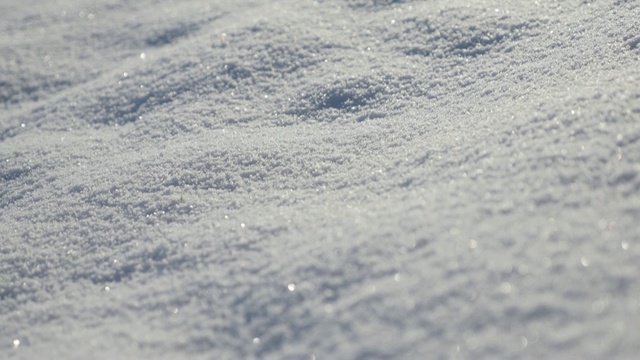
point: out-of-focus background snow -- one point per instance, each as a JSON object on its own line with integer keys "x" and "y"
{"x": 318, "y": 180}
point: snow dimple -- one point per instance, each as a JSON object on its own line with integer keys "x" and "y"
{"x": 17, "y": 88}
{"x": 466, "y": 36}
{"x": 121, "y": 110}
{"x": 169, "y": 35}
{"x": 235, "y": 71}
{"x": 18, "y": 180}
{"x": 358, "y": 98}
{"x": 374, "y": 3}
{"x": 328, "y": 103}
{"x": 14, "y": 173}
{"x": 633, "y": 42}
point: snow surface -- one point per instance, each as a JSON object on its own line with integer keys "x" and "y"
{"x": 352, "y": 179}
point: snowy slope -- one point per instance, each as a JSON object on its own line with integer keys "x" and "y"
{"x": 353, "y": 179}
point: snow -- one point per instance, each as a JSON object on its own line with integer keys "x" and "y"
{"x": 331, "y": 179}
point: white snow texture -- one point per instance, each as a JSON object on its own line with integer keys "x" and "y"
{"x": 337, "y": 179}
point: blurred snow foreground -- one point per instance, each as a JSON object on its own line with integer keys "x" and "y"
{"x": 352, "y": 179}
